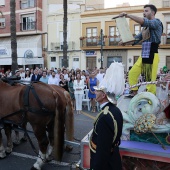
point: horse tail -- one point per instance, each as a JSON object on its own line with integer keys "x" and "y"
{"x": 58, "y": 129}
{"x": 69, "y": 118}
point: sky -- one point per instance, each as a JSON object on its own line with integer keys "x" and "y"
{"x": 113, "y": 3}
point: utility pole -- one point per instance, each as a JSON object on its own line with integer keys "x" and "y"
{"x": 101, "y": 40}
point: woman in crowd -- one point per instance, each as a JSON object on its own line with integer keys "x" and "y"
{"x": 27, "y": 77}
{"x": 78, "y": 87}
{"x": 83, "y": 77}
{"x": 63, "y": 82}
{"x": 92, "y": 96}
{"x": 71, "y": 90}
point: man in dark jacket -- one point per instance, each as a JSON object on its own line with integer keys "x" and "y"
{"x": 105, "y": 139}
{"x": 35, "y": 76}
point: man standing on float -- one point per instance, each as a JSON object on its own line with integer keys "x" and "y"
{"x": 147, "y": 63}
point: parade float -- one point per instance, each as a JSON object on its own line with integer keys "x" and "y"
{"x": 146, "y": 131}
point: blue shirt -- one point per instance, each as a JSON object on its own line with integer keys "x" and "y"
{"x": 155, "y": 27}
{"x": 44, "y": 80}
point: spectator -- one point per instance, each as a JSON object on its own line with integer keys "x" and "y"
{"x": 65, "y": 74}
{"x": 35, "y": 76}
{"x": 22, "y": 73}
{"x": 63, "y": 82}
{"x": 53, "y": 79}
{"x": 71, "y": 90}
{"x": 44, "y": 77}
{"x": 100, "y": 75}
{"x": 92, "y": 96}
{"x": 78, "y": 92}
{"x": 27, "y": 77}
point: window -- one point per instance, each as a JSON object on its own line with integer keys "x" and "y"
{"x": 135, "y": 58}
{"x": 91, "y": 36}
{"x": 168, "y": 62}
{"x": 113, "y": 35}
{"x": 113, "y": 59}
{"x": 2, "y": 22}
{"x": 137, "y": 29}
{"x": 53, "y": 59}
{"x": 61, "y": 40}
{"x": 168, "y": 30}
{"x": 61, "y": 61}
{"x": 2, "y": 2}
{"x": 27, "y": 4}
{"x": 28, "y": 22}
{"x": 166, "y": 3}
{"x": 75, "y": 59}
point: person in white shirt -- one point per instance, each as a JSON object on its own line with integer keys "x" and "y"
{"x": 83, "y": 76}
{"x": 78, "y": 87}
{"x": 65, "y": 74}
{"x": 53, "y": 80}
{"x": 27, "y": 77}
{"x": 22, "y": 73}
{"x": 100, "y": 75}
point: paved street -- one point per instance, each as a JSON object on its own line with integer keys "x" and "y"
{"x": 23, "y": 157}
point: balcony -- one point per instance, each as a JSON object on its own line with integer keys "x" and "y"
{"x": 111, "y": 42}
{"x": 58, "y": 46}
{"x": 96, "y": 41}
{"x": 28, "y": 26}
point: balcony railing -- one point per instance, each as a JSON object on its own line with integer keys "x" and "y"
{"x": 112, "y": 41}
{"x": 89, "y": 42}
{"x": 27, "y": 26}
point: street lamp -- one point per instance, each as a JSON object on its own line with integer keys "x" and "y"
{"x": 101, "y": 50}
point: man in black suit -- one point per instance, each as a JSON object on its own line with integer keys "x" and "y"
{"x": 105, "y": 139}
{"x": 35, "y": 76}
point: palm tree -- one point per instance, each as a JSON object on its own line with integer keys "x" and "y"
{"x": 13, "y": 36}
{"x": 65, "y": 62}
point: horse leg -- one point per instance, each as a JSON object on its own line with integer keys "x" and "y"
{"x": 40, "y": 133}
{"x": 50, "y": 130}
{"x": 8, "y": 131}
{"x": 2, "y": 149}
{"x": 17, "y": 140}
{"x": 24, "y": 138}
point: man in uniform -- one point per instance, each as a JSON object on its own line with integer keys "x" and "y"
{"x": 105, "y": 139}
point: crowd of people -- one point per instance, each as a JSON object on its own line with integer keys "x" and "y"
{"x": 73, "y": 81}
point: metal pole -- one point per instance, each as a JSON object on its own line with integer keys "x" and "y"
{"x": 101, "y": 35}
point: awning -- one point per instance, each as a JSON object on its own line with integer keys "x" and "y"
{"x": 26, "y": 45}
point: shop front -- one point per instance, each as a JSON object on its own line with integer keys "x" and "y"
{"x": 29, "y": 52}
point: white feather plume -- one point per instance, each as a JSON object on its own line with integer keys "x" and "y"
{"x": 114, "y": 80}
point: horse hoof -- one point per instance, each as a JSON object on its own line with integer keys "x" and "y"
{"x": 24, "y": 139}
{"x": 50, "y": 158}
{"x": 8, "y": 150}
{"x": 68, "y": 148}
{"x": 16, "y": 142}
{"x": 2, "y": 155}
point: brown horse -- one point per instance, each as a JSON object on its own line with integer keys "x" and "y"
{"x": 52, "y": 109}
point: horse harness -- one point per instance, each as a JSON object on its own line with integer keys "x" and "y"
{"x": 42, "y": 111}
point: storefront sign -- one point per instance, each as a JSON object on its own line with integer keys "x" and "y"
{"x": 29, "y": 54}
{"x": 91, "y": 53}
{"x": 3, "y": 50}
{"x": 33, "y": 61}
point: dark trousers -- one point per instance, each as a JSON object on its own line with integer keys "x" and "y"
{"x": 113, "y": 163}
